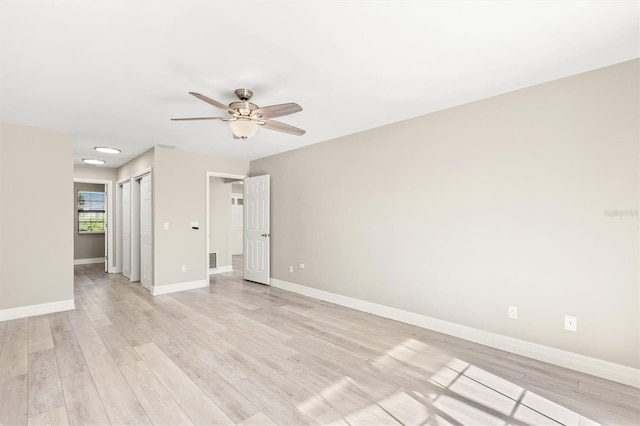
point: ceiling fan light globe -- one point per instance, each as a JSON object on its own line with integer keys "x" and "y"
{"x": 243, "y": 128}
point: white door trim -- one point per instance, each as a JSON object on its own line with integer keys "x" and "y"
{"x": 134, "y": 214}
{"x": 117, "y": 267}
{"x": 135, "y": 221}
{"x": 110, "y": 265}
{"x": 125, "y": 216}
{"x": 137, "y": 175}
{"x": 209, "y": 175}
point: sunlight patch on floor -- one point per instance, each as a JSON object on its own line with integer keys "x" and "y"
{"x": 469, "y": 388}
{"x": 457, "y": 393}
{"x": 327, "y": 394}
{"x": 405, "y": 408}
{"x": 371, "y": 415}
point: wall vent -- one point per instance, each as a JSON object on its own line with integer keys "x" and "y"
{"x": 213, "y": 260}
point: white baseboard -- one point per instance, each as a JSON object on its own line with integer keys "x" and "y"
{"x": 221, "y": 270}
{"x": 597, "y": 367}
{"x": 88, "y": 261}
{"x": 33, "y": 310}
{"x": 172, "y": 288}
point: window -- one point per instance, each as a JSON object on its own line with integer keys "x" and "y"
{"x": 91, "y": 212}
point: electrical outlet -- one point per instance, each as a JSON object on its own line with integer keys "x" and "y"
{"x": 184, "y": 268}
{"x": 301, "y": 265}
{"x": 570, "y": 323}
{"x": 291, "y": 269}
{"x": 513, "y": 312}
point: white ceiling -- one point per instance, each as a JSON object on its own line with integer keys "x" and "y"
{"x": 114, "y": 72}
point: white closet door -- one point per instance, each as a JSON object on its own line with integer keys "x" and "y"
{"x": 126, "y": 229}
{"x": 146, "y": 232}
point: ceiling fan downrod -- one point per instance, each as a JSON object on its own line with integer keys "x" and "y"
{"x": 243, "y": 94}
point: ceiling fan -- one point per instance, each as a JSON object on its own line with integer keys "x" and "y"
{"x": 245, "y": 116}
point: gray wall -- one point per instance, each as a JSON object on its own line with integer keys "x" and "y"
{"x": 179, "y": 193}
{"x": 237, "y": 188}
{"x": 457, "y": 214}
{"x": 36, "y": 211}
{"x": 86, "y": 246}
{"x": 95, "y": 172}
{"x": 138, "y": 164}
{"x": 220, "y": 220}
{"x": 179, "y": 198}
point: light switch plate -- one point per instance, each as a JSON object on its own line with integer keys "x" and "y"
{"x": 570, "y": 323}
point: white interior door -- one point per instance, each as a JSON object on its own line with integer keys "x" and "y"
{"x": 126, "y": 229}
{"x": 256, "y": 229}
{"x": 145, "y": 232}
{"x": 136, "y": 237}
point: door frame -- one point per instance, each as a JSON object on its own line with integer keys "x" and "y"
{"x": 119, "y": 218}
{"x": 135, "y": 222}
{"x": 109, "y": 267}
{"x": 237, "y": 197}
{"x": 209, "y": 175}
{"x": 148, "y": 284}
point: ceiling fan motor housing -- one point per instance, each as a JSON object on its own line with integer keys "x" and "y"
{"x": 244, "y": 107}
{"x": 243, "y": 94}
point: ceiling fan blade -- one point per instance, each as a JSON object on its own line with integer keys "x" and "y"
{"x": 280, "y": 110}
{"x": 213, "y": 102}
{"x": 281, "y": 127}
{"x": 198, "y": 118}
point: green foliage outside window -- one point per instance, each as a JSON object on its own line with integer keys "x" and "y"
{"x": 91, "y": 212}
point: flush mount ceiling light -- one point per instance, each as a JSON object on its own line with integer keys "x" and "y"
{"x": 93, "y": 161}
{"x": 243, "y": 128}
{"x": 107, "y": 150}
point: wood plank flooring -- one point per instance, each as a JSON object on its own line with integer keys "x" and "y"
{"x": 246, "y": 354}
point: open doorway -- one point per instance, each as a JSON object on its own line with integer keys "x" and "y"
{"x": 224, "y": 201}
{"x": 93, "y": 215}
{"x": 237, "y": 225}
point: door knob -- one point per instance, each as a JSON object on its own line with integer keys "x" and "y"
{"x": 266, "y": 235}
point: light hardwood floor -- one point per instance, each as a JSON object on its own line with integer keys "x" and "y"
{"x": 243, "y": 353}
